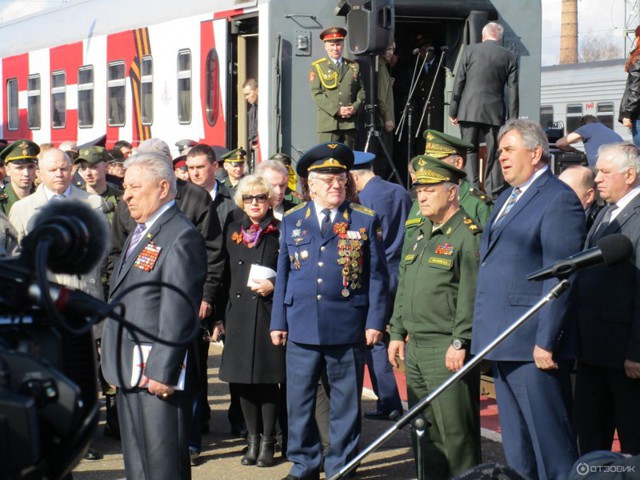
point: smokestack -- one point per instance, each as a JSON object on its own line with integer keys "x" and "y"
{"x": 569, "y": 32}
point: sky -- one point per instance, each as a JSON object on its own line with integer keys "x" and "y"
{"x": 603, "y": 18}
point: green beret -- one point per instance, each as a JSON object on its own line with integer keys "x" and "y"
{"x": 92, "y": 155}
{"x": 238, "y": 155}
{"x": 20, "y": 151}
{"x": 430, "y": 171}
{"x": 440, "y": 145}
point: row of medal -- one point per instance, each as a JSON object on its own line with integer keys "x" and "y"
{"x": 350, "y": 257}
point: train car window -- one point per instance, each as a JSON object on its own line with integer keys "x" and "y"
{"x": 605, "y": 113}
{"x": 116, "y": 94}
{"x": 212, "y": 82}
{"x": 85, "y": 96}
{"x": 12, "y": 104}
{"x": 33, "y": 102}
{"x": 184, "y": 86}
{"x": 546, "y": 115}
{"x": 574, "y": 114}
{"x": 146, "y": 90}
{"x": 59, "y": 99}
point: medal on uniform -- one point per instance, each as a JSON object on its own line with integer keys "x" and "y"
{"x": 147, "y": 258}
{"x": 304, "y": 254}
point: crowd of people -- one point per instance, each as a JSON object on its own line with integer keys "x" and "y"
{"x": 307, "y": 288}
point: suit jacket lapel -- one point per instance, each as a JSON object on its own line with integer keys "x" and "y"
{"x": 623, "y": 217}
{"x": 148, "y": 237}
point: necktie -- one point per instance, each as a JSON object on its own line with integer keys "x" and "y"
{"x": 135, "y": 239}
{"x": 58, "y": 197}
{"x": 604, "y": 223}
{"x": 325, "y": 226}
{"x": 513, "y": 198}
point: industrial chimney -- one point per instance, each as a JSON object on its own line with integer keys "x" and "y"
{"x": 569, "y": 32}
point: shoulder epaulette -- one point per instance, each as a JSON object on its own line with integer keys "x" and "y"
{"x": 471, "y": 225}
{"x": 416, "y": 221}
{"x": 359, "y": 208}
{"x": 295, "y": 209}
{"x": 348, "y": 60}
{"x": 479, "y": 194}
{"x": 323, "y": 59}
{"x": 296, "y": 195}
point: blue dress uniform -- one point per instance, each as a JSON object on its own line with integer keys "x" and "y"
{"x": 329, "y": 290}
{"x": 392, "y": 203}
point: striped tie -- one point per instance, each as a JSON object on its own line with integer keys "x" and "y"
{"x": 135, "y": 239}
{"x": 513, "y": 198}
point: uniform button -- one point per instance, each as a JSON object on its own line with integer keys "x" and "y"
{"x": 484, "y": 264}
{"x": 238, "y": 295}
{"x": 319, "y": 280}
{"x": 240, "y": 262}
{"x": 254, "y": 296}
{"x": 323, "y": 248}
{"x": 321, "y": 264}
{"x": 318, "y": 297}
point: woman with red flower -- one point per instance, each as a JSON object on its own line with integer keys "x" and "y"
{"x": 250, "y": 360}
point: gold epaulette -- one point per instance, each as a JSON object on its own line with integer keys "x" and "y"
{"x": 295, "y": 209}
{"x": 413, "y": 222}
{"x": 479, "y": 194}
{"x": 296, "y": 195}
{"x": 359, "y": 208}
{"x": 323, "y": 59}
{"x": 471, "y": 225}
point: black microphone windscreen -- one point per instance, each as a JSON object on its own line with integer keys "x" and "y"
{"x": 80, "y": 235}
{"x": 615, "y": 248}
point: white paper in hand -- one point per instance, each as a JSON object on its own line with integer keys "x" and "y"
{"x": 259, "y": 272}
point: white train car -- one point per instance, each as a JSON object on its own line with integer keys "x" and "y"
{"x": 594, "y": 88}
{"x": 159, "y": 68}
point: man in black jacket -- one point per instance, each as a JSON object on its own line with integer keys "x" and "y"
{"x": 478, "y": 103}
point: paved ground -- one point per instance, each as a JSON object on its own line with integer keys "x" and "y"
{"x": 222, "y": 451}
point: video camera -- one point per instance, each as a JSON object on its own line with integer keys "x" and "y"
{"x": 48, "y": 382}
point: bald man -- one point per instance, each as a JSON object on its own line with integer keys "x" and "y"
{"x": 582, "y": 181}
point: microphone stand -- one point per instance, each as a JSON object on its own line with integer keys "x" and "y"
{"x": 555, "y": 292}
{"x": 427, "y": 104}
{"x": 415, "y": 77}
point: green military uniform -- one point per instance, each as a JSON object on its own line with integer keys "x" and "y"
{"x": 434, "y": 306}
{"x": 18, "y": 152}
{"x": 239, "y": 155}
{"x": 333, "y": 87}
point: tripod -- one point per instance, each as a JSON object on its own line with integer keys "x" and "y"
{"x": 371, "y": 115}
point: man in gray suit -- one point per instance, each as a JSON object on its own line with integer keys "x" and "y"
{"x": 607, "y": 391}
{"x": 478, "y": 103}
{"x": 154, "y": 379}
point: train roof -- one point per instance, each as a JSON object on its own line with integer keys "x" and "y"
{"x": 72, "y": 22}
{"x": 616, "y": 62}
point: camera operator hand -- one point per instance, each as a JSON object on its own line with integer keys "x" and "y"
{"x": 160, "y": 389}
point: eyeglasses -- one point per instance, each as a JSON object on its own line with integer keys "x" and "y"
{"x": 329, "y": 181}
{"x": 260, "y": 198}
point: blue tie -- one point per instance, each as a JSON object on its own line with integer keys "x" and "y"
{"x": 513, "y": 198}
{"x": 135, "y": 239}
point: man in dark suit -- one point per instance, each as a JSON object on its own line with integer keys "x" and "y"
{"x": 329, "y": 304}
{"x": 478, "y": 104}
{"x": 608, "y": 377}
{"x": 392, "y": 203}
{"x": 155, "y": 380}
{"x": 535, "y": 223}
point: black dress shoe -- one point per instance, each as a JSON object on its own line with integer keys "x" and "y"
{"x": 307, "y": 477}
{"x": 392, "y": 415}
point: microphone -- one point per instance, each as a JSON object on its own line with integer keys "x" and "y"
{"x": 107, "y": 206}
{"x": 415, "y": 51}
{"x": 77, "y": 235}
{"x": 444, "y": 48}
{"x": 611, "y": 250}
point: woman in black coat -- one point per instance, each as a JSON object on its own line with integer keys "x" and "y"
{"x": 249, "y": 358}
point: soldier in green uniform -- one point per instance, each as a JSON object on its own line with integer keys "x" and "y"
{"x": 337, "y": 88}
{"x": 433, "y": 313}
{"x": 473, "y": 201}
{"x": 21, "y": 160}
{"x": 234, "y": 164}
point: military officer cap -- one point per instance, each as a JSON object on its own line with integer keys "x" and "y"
{"x": 180, "y": 162}
{"x": 92, "y": 155}
{"x": 184, "y": 144}
{"x": 333, "y": 33}
{"x": 440, "y": 145}
{"x": 238, "y": 155}
{"x": 115, "y": 156}
{"x": 281, "y": 157}
{"x": 96, "y": 142}
{"x": 430, "y": 171}
{"x": 330, "y": 157}
{"x": 220, "y": 152}
{"x": 20, "y": 151}
{"x": 363, "y": 160}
